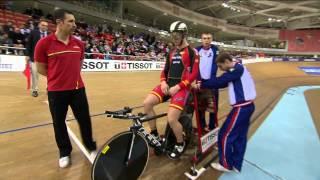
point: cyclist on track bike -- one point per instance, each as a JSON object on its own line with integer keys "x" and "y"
{"x": 181, "y": 69}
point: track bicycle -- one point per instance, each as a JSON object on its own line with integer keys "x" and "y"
{"x": 125, "y": 155}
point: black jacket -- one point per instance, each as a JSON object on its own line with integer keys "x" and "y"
{"x": 31, "y": 43}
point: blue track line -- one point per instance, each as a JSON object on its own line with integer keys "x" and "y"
{"x": 24, "y": 128}
{"x": 40, "y": 125}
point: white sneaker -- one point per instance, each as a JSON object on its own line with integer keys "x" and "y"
{"x": 235, "y": 170}
{"x": 64, "y": 162}
{"x": 219, "y": 167}
{"x": 93, "y": 155}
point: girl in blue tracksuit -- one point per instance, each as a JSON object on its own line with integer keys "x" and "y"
{"x": 232, "y": 138}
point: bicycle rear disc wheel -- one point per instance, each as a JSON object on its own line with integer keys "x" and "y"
{"x": 111, "y": 162}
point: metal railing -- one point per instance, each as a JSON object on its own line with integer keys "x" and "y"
{"x": 101, "y": 56}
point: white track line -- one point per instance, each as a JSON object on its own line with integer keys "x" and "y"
{"x": 79, "y": 144}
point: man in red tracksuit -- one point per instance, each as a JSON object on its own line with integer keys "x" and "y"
{"x": 181, "y": 69}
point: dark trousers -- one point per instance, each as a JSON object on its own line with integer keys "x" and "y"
{"x": 232, "y": 138}
{"x": 213, "y": 116}
{"x": 58, "y": 104}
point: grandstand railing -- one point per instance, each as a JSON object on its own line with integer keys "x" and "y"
{"x": 8, "y": 47}
{"x": 102, "y": 56}
{"x": 249, "y": 48}
{"x": 221, "y": 46}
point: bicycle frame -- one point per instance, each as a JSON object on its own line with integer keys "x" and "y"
{"x": 137, "y": 127}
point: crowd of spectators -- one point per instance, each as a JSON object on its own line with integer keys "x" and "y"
{"x": 102, "y": 41}
{"x": 13, "y": 36}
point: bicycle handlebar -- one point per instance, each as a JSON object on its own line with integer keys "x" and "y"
{"x": 123, "y": 111}
{"x": 139, "y": 117}
{"x": 118, "y": 116}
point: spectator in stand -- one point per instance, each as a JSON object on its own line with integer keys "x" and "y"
{"x": 88, "y": 50}
{"x": 76, "y": 35}
{"x": 18, "y": 40}
{"x": 8, "y": 27}
{"x": 96, "y": 54}
{"x": 6, "y": 41}
{"x": 107, "y": 50}
{"x": 30, "y": 24}
{"x": 128, "y": 51}
{"x": 101, "y": 47}
{"x": 120, "y": 49}
{"x": 34, "y": 37}
{"x": 161, "y": 57}
{"x": 25, "y": 30}
{"x": 151, "y": 55}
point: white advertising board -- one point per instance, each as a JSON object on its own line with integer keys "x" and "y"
{"x": 17, "y": 63}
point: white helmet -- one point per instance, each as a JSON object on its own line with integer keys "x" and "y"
{"x": 178, "y": 26}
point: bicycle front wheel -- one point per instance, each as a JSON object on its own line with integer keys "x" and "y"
{"x": 112, "y": 161}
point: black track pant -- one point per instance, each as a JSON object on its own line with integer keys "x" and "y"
{"x": 58, "y": 104}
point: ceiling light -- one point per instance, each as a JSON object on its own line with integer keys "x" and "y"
{"x": 225, "y": 5}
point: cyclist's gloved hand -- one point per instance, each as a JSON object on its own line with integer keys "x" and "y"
{"x": 164, "y": 87}
{"x": 173, "y": 90}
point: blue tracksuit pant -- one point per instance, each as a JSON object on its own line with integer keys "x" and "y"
{"x": 232, "y": 138}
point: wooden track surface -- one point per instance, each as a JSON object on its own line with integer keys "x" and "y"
{"x": 313, "y": 100}
{"x": 33, "y": 154}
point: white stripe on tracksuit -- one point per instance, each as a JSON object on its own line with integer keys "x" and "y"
{"x": 225, "y": 137}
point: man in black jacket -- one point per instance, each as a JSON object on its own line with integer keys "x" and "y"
{"x": 34, "y": 37}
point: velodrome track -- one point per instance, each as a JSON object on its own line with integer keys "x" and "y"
{"x": 32, "y": 153}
